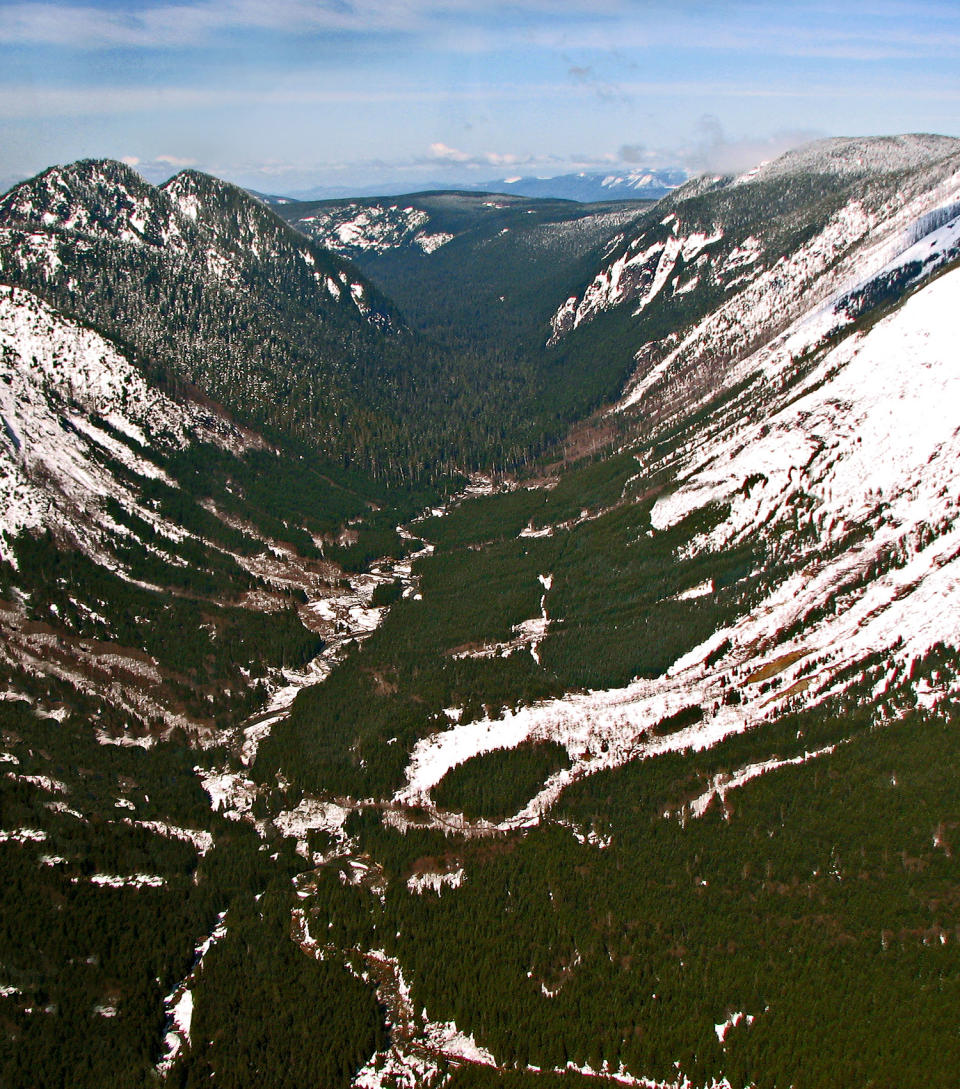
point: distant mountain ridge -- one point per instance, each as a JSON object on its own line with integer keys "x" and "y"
{"x": 586, "y": 187}
{"x": 589, "y": 188}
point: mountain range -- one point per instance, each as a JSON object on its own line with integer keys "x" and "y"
{"x": 465, "y": 639}
{"x": 624, "y": 184}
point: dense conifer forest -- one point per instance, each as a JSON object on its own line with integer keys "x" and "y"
{"x": 480, "y": 671}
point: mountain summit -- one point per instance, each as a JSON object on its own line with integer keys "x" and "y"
{"x": 202, "y": 282}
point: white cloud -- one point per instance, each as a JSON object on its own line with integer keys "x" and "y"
{"x": 196, "y": 22}
{"x": 448, "y": 154}
{"x": 273, "y": 89}
{"x": 442, "y": 153}
{"x": 862, "y": 30}
{"x": 715, "y": 153}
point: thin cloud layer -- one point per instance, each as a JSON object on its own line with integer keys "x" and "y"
{"x": 442, "y": 89}
{"x": 862, "y": 31}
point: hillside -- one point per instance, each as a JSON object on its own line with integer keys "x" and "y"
{"x": 637, "y": 767}
{"x": 725, "y": 264}
{"x": 206, "y": 286}
{"x": 463, "y": 266}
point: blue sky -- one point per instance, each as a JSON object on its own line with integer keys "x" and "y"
{"x": 282, "y": 95}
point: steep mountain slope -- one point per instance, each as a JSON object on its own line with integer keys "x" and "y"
{"x": 724, "y": 263}
{"x": 166, "y": 507}
{"x": 479, "y": 276}
{"x": 642, "y": 770}
{"x": 741, "y": 631}
{"x": 59, "y": 379}
{"x": 155, "y": 566}
{"x": 208, "y": 287}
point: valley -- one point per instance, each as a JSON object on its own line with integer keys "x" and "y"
{"x": 533, "y": 659}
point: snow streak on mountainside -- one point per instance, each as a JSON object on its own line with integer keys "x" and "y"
{"x": 849, "y": 475}
{"x": 644, "y": 270}
{"x": 65, "y": 394}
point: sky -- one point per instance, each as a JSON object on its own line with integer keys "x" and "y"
{"x": 286, "y": 95}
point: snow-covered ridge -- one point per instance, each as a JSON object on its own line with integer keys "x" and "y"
{"x": 843, "y": 156}
{"x": 643, "y": 180}
{"x": 909, "y": 172}
{"x": 98, "y": 198}
{"x": 808, "y": 285}
{"x": 193, "y": 219}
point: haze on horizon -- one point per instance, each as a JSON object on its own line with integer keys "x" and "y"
{"x": 402, "y": 93}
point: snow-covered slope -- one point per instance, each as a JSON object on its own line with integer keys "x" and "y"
{"x": 352, "y": 227}
{"x": 752, "y": 248}
{"x": 850, "y": 477}
{"x": 84, "y": 439}
{"x": 823, "y": 281}
{"x": 643, "y": 270}
{"x": 68, "y": 400}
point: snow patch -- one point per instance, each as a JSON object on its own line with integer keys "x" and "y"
{"x": 435, "y": 882}
{"x": 131, "y": 881}
{"x": 731, "y": 1022}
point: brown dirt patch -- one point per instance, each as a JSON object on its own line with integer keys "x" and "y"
{"x": 778, "y": 665}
